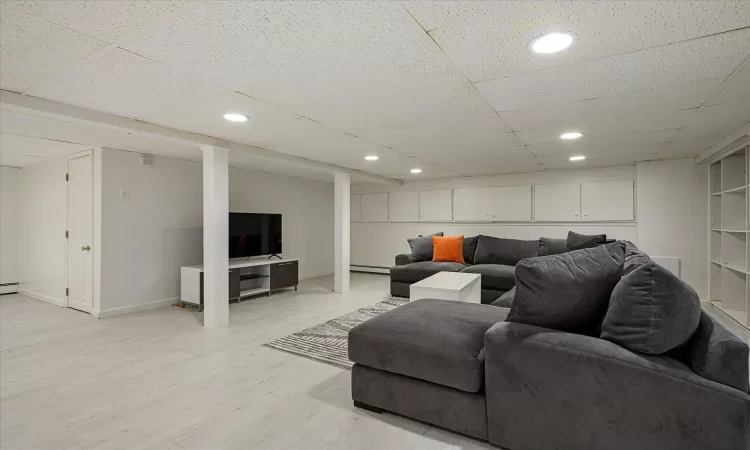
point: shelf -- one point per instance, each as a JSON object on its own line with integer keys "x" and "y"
{"x": 716, "y": 262}
{"x": 735, "y": 268}
{"x": 715, "y": 193}
{"x": 740, "y": 189}
{"x": 248, "y": 292}
{"x": 252, "y": 276}
{"x": 734, "y": 314}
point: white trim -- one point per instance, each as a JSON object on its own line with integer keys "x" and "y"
{"x": 133, "y": 308}
{"x": 44, "y": 298}
{"x": 725, "y": 146}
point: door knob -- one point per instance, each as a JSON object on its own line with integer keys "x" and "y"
{"x": 85, "y": 248}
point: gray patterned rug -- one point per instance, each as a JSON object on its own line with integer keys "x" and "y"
{"x": 327, "y": 342}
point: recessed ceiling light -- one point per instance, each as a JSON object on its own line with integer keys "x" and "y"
{"x": 551, "y": 43}
{"x": 372, "y": 158}
{"x": 416, "y": 171}
{"x": 571, "y": 135}
{"x": 577, "y": 158}
{"x": 232, "y": 117}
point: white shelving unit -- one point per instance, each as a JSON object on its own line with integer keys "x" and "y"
{"x": 729, "y": 253}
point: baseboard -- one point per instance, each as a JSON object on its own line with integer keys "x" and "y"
{"x": 371, "y": 269}
{"x": 316, "y": 275}
{"x": 44, "y": 298}
{"x": 133, "y": 308}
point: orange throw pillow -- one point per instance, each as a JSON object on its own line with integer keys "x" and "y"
{"x": 448, "y": 249}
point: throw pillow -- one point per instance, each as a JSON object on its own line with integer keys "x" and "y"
{"x": 505, "y": 300}
{"x": 470, "y": 248}
{"x": 421, "y": 247}
{"x": 634, "y": 257}
{"x": 550, "y": 246}
{"x": 448, "y": 249}
{"x": 577, "y": 241}
{"x": 651, "y": 311}
{"x": 569, "y": 291}
{"x": 492, "y": 250}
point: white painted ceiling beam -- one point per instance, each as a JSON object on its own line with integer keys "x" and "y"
{"x": 729, "y": 143}
{"x": 47, "y": 108}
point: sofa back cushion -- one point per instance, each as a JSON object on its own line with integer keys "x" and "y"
{"x": 577, "y": 241}
{"x": 492, "y": 250}
{"x": 651, "y": 311}
{"x": 421, "y": 247}
{"x": 470, "y": 248}
{"x": 569, "y": 291}
{"x": 716, "y": 354}
{"x": 550, "y": 246}
{"x": 634, "y": 257}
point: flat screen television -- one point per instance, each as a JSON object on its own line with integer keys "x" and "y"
{"x": 252, "y": 234}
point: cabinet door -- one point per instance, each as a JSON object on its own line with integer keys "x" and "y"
{"x": 403, "y": 206}
{"x": 607, "y": 201}
{"x": 471, "y": 204}
{"x": 284, "y": 275}
{"x": 375, "y": 207}
{"x": 436, "y": 206}
{"x": 557, "y": 202}
{"x": 355, "y": 211}
{"x": 493, "y": 204}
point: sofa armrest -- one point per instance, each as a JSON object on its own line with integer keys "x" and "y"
{"x": 587, "y": 393}
{"x": 403, "y": 259}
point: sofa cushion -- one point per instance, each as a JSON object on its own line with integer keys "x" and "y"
{"x": 505, "y": 300}
{"x": 494, "y": 276}
{"x": 438, "y": 341}
{"x": 418, "y": 271}
{"x": 577, "y": 241}
{"x": 716, "y": 354}
{"x": 492, "y": 250}
{"x": 634, "y": 257}
{"x": 550, "y": 246}
{"x": 470, "y": 247}
{"x": 651, "y": 311}
{"x": 569, "y": 291}
{"x": 421, "y": 247}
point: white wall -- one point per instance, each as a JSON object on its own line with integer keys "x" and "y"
{"x": 41, "y": 230}
{"x": 307, "y": 209}
{"x": 147, "y": 234}
{"x": 673, "y": 215}
{"x": 10, "y": 190}
{"x": 376, "y": 244}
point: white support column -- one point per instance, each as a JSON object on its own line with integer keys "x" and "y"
{"x": 215, "y": 237}
{"x": 342, "y": 222}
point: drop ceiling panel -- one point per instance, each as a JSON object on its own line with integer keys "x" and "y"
{"x": 33, "y": 49}
{"x": 736, "y": 89}
{"x": 489, "y": 39}
{"x": 562, "y": 163}
{"x": 705, "y": 58}
{"x": 104, "y": 20}
{"x": 596, "y": 134}
{"x": 715, "y": 121}
{"x": 351, "y": 65}
{"x": 489, "y": 165}
{"x": 617, "y": 143}
{"x": 122, "y": 83}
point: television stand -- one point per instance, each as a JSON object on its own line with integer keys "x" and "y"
{"x": 273, "y": 256}
{"x": 246, "y": 278}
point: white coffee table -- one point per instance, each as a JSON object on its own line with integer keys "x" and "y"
{"x": 463, "y": 287}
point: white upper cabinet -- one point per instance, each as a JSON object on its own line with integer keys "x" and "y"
{"x": 436, "y": 206}
{"x": 403, "y": 206}
{"x": 603, "y": 201}
{"x": 375, "y": 207}
{"x": 355, "y": 210}
{"x": 493, "y": 204}
{"x": 557, "y": 202}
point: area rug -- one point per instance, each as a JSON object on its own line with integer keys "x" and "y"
{"x": 327, "y": 342}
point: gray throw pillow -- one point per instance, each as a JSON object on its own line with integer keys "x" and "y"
{"x": 505, "y": 300}
{"x": 651, "y": 311}
{"x": 470, "y": 248}
{"x": 507, "y": 252}
{"x": 577, "y": 241}
{"x": 634, "y": 257}
{"x": 569, "y": 291}
{"x": 421, "y": 247}
{"x": 550, "y": 246}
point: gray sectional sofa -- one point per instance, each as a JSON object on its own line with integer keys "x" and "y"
{"x": 494, "y": 258}
{"x": 471, "y": 369}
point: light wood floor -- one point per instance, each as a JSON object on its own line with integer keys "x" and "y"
{"x": 158, "y": 380}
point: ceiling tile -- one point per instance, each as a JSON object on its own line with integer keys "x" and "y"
{"x": 596, "y": 135}
{"x": 715, "y": 121}
{"x": 489, "y": 39}
{"x": 491, "y": 165}
{"x": 562, "y": 162}
{"x": 104, "y": 20}
{"x": 33, "y": 49}
{"x": 608, "y": 144}
{"x": 705, "y": 58}
{"x": 736, "y": 89}
{"x": 122, "y": 83}
{"x": 356, "y": 66}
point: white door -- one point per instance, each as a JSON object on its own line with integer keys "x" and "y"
{"x": 436, "y": 206}
{"x": 375, "y": 207}
{"x": 80, "y": 233}
{"x": 403, "y": 207}
{"x": 355, "y": 211}
{"x": 607, "y": 201}
{"x": 557, "y": 202}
